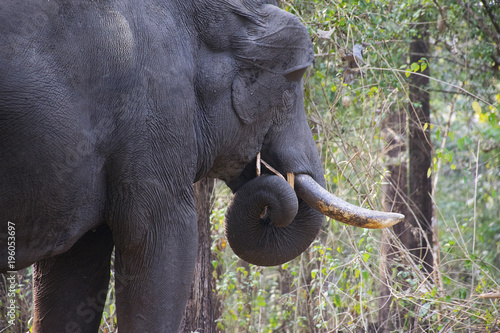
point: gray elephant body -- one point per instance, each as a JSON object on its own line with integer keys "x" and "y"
{"x": 109, "y": 111}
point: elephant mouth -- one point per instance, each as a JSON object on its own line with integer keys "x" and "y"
{"x": 329, "y": 205}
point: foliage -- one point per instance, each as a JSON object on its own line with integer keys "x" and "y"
{"x": 16, "y": 288}
{"x": 335, "y": 285}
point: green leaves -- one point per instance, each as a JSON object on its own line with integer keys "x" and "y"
{"x": 337, "y": 301}
{"x": 261, "y": 301}
{"x": 421, "y": 66}
{"x": 414, "y": 67}
{"x": 476, "y": 107}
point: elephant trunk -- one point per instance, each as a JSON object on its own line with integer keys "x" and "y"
{"x": 267, "y": 225}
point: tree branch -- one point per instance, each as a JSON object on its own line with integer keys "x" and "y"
{"x": 453, "y": 92}
{"x": 490, "y": 14}
{"x": 465, "y": 63}
{"x": 480, "y": 23}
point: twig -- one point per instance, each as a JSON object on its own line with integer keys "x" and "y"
{"x": 475, "y": 214}
{"x": 475, "y": 198}
{"x": 6, "y": 328}
{"x": 489, "y": 296}
{"x": 492, "y": 18}
{"x": 480, "y": 23}
{"x": 437, "y": 80}
{"x": 447, "y": 92}
{"x": 276, "y": 172}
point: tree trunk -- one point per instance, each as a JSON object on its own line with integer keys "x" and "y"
{"x": 420, "y": 154}
{"x": 395, "y": 199}
{"x": 410, "y": 196}
{"x": 200, "y": 311}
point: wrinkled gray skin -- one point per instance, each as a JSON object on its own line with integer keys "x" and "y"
{"x": 109, "y": 111}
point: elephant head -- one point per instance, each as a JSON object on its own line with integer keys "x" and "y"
{"x": 261, "y": 61}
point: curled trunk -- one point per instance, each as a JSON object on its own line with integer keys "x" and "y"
{"x": 267, "y": 225}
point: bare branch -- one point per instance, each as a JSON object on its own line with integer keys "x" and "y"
{"x": 480, "y": 23}
{"x": 490, "y": 15}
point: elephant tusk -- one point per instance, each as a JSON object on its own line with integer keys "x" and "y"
{"x": 290, "y": 178}
{"x": 323, "y": 201}
{"x": 258, "y": 167}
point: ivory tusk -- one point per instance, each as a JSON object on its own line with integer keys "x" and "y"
{"x": 323, "y": 201}
{"x": 290, "y": 178}
{"x": 258, "y": 166}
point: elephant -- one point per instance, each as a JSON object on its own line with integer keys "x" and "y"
{"x": 111, "y": 110}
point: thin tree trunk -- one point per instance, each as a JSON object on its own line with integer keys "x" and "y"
{"x": 200, "y": 311}
{"x": 409, "y": 194}
{"x": 396, "y": 200}
{"x": 420, "y": 153}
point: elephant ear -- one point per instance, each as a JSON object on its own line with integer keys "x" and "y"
{"x": 273, "y": 54}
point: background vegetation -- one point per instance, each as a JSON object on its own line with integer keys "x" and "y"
{"x": 335, "y": 286}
